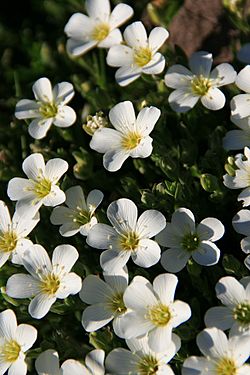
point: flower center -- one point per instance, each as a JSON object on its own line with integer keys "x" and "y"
{"x": 116, "y": 303}
{"x": 242, "y": 313}
{"x": 48, "y": 110}
{"x": 159, "y": 315}
{"x": 190, "y": 242}
{"x": 200, "y": 85}
{"x": 10, "y": 351}
{"x": 50, "y": 284}
{"x": 148, "y": 365}
{"x": 82, "y": 217}
{"x": 142, "y": 56}
{"x": 131, "y": 140}
{"x": 129, "y": 241}
{"x": 101, "y": 32}
{"x": 8, "y": 241}
{"x": 42, "y": 187}
{"x": 226, "y": 367}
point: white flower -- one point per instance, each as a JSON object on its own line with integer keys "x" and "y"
{"x": 185, "y": 239}
{"x": 47, "y": 280}
{"x": 130, "y": 136}
{"x": 235, "y": 314}
{"x": 244, "y": 53}
{"x": 241, "y": 224}
{"x": 199, "y": 83}
{"x": 129, "y": 236}
{"x": 240, "y": 103}
{"x": 15, "y": 340}
{"x": 222, "y": 356}
{"x": 47, "y": 363}
{"x": 100, "y": 29}
{"x": 48, "y": 108}
{"x": 106, "y": 299}
{"x": 139, "y": 55}
{"x": 79, "y": 215}
{"x": 241, "y": 178}
{"x": 41, "y": 186}
{"x": 154, "y": 311}
{"x": 238, "y": 139}
{"x": 141, "y": 360}
{"x": 13, "y": 233}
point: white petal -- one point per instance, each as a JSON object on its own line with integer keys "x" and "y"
{"x": 220, "y": 317}
{"x": 164, "y": 285}
{"x": 55, "y": 168}
{"x": 138, "y": 296}
{"x": 113, "y": 159}
{"x": 98, "y": 9}
{"x": 244, "y": 53}
{"x": 33, "y": 166}
{"x": 184, "y": 221}
{"x": 100, "y": 236}
{"x": 120, "y": 55}
{"x": 105, "y": 139}
{"x": 63, "y": 215}
{"x": 174, "y": 259}
{"x": 64, "y": 257}
{"x": 214, "y": 99}
{"x": 146, "y": 120}
{"x": 245, "y": 245}
{"x": 26, "y": 335}
{"x": 224, "y": 74}
{"x": 134, "y": 325}
{"x": 244, "y": 370}
{"x": 239, "y": 346}
{"x": 19, "y": 367}
{"x": 38, "y": 128}
{"x": 180, "y": 312}
{"x": 242, "y": 123}
{"x": 182, "y": 100}
{"x": 242, "y": 80}
{"x": 230, "y": 291}
{"x": 120, "y": 14}
{"x": 47, "y": 362}
{"x": 95, "y": 317}
{"x": 207, "y": 254}
{"x": 240, "y": 105}
{"x": 156, "y": 65}
{"x": 40, "y": 305}
{"x": 123, "y": 215}
{"x": 144, "y": 149}
{"x": 63, "y": 92}
{"x": 94, "y": 199}
{"x": 26, "y": 108}
{"x": 22, "y": 286}
{"x": 4, "y": 257}
{"x": 121, "y": 362}
{"x": 127, "y": 74}
{"x": 135, "y": 35}
{"x": 55, "y": 197}
{"x": 36, "y": 257}
{"x": 210, "y": 229}
{"x": 8, "y": 324}
{"x": 147, "y": 254}
{"x": 112, "y": 261}
{"x": 5, "y": 220}
{"x": 75, "y": 198}
{"x": 241, "y": 222}
{"x": 114, "y": 37}
{"x": 157, "y": 38}
{"x": 78, "y": 47}
{"x": 245, "y": 197}
{"x": 71, "y": 366}
{"x": 79, "y": 27}
{"x": 236, "y": 140}
{"x": 201, "y": 62}
{"x": 95, "y": 361}
{"x": 150, "y": 223}
{"x": 95, "y": 290}
{"x": 159, "y": 338}
{"x": 195, "y": 365}
{"x": 65, "y": 117}
{"x": 69, "y": 284}
{"x": 42, "y": 90}
{"x": 122, "y": 116}
{"x": 212, "y": 342}
{"x": 177, "y": 77}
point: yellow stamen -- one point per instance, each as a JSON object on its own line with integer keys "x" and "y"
{"x": 226, "y": 366}
{"x": 159, "y": 315}
{"x": 131, "y": 140}
{"x": 48, "y": 110}
{"x": 200, "y": 85}
{"x": 42, "y": 187}
{"x": 50, "y": 284}
{"x": 148, "y": 365}
{"x": 10, "y": 351}
{"x": 116, "y": 304}
{"x": 129, "y": 241}
{"x": 101, "y": 32}
{"x": 142, "y": 56}
{"x": 8, "y": 241}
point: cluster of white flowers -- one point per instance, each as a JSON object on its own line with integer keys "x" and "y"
{"x": 143, "y": 314}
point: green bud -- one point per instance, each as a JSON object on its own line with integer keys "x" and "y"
{"x": 209, "y": 182}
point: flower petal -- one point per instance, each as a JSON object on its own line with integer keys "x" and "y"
{"x": 71, "y": 366}
{"x": 121, "y": 362}
{"x": 240, "y": 106}
{"x": 214, "y": 99}
{"x": 40, "y": 305}
{"x": 78, "y": 47}
{"x": 223, "y": 74}
{"x": 98, "y": 9}
{"x": 100, "y": 236}
{"x": 213, "y": 343}
{"x": 230, "y": 291}
{"x": 18, "y": 367}
{"x": 165, "y": 285}
{"x": 122, "y": 214}
{"x": 55, "y": 168}
{"x": 5, "y": 220}
{"x": 63, "y": 92}
{"x": 38, "y": 128}
{"x": 241, "y": 222}
{"x": 113, "y": 159}
{"x": 26, "y": 108}
{"x": 36, "y": 257}
{"x": 133, "y": 325}
{"x": 236, "y": 140}
{"x": 33, "y": 166}
{"x": 79, "y": 28}
{"x": 242, "y": 80}
{"x": 207, "y": 254}
{"x": 95, "y": 361}
{"x": 122, "y": 116}
{"x": 127, "y": 74}
{"x": 112, "y": 261}
{"x": 120, "y": 14}
{"x": 180, "y": 312}
{"x": 64, "y": 257}
{"x": 94, "y": 199}
{"x": 150, "y": 223}
{"x": 42, "y": 90}
{"x": 144, "y": 149}
{"x": 120, "y": 55}
{"x": 114, "y": 37}
{"x": 182, "y": 100}
{"x": 135, "y": 35}
{"x": 95, "y": 290}
{"x": 26, "y": 335}
{"x": 138, "y": 296}
{"x": 157, "y": 38}
{"x": 178, "y": 76}
{"x": 146, "y": 120}
{"x": 105, "y": 139}
{"x": 220, "y": 317}
{"x": 147, "y": 254}
{"x": 22, "y": 286}
{"x": 47, "y": 362}
{"x": 95, "y": 317}
{"x": 210, "y": 229}
{"x": 174, "y": 259}
{"x": 201, "y": 62}
{"x": 8, "y": 324}
{"x": 159, "y": 338}
{"x": 65, "y": 117}
{"x": 69, "y": 284}
{"x": 195, "y": 365}
{"x": 156, "y": 64}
